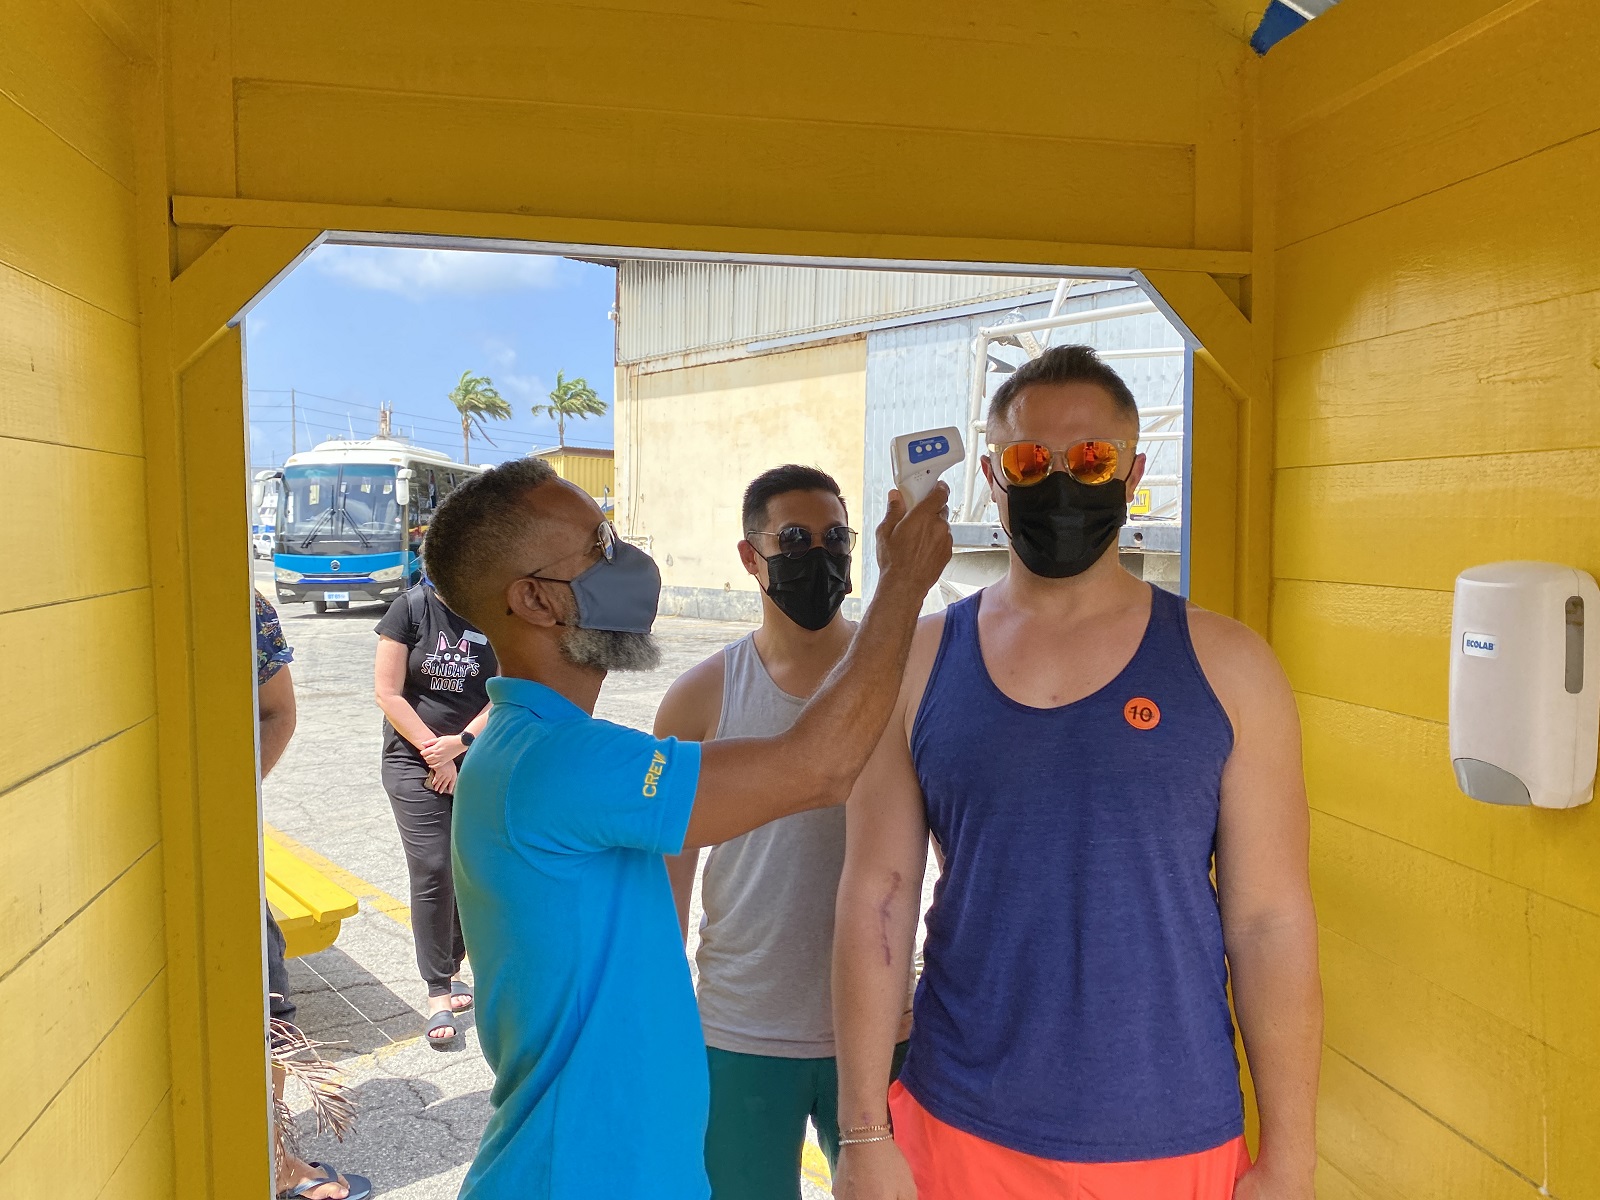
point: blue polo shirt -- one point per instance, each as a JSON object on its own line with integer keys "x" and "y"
{"x": 585, "y": 1008}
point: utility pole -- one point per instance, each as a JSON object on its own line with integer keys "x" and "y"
{"x": 383, "y": 421}
{"x": 294, "y": 427}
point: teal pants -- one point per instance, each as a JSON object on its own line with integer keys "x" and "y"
{"x": 757, "y": 1130}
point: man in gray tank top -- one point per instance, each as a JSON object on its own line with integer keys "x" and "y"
{"x": 766, "y": 940}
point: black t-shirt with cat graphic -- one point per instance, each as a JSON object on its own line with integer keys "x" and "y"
{"x": 448, "y": 669}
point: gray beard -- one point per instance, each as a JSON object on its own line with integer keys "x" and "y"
{"x": 609, "y": 650}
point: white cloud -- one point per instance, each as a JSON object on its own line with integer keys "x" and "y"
{"x": 525, "y": 387}
{"x": 502, "y": 357}
{"x": 416, "y": 274}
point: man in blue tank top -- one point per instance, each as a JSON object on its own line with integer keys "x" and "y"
{"x": 1084, "y": 749}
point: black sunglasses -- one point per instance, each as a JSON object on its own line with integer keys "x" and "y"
{"x": 795, "y": 540}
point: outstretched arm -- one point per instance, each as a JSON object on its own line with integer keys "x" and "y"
{"x": 690, "y": 712}
{"x": 875, "y": 927}
{"x": 746, "y": 782}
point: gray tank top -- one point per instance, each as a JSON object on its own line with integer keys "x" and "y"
{"x": 766, "y": 940}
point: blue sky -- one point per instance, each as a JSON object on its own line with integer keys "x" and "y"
{"x": 355, "y": 326}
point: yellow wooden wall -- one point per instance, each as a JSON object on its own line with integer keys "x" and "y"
{"x": 83, "y": 984}
{"x": 1438, "y": 405}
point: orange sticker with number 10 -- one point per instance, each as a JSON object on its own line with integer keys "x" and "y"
{"x": 1142, "y": 713}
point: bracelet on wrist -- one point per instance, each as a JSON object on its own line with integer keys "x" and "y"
{"x": 862, "y": 1141}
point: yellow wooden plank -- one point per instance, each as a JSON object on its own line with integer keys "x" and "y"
{"x": 63, "y": 68}
{"x": 109, "y": 639}
{"x": 377, "y": 899}
{"x": 1574, "y": 1126}
{"x": 1516, "y": 235}
{"x": 1391, "y": 774}
{"x": 1511, "y": 380}
{"x": 70, "y": 832}
{"x": 69, "y": 372}
{"x": 739, "y": 62}
{"x": 211, "y": 818}
{"x": 1332, "y": 62}
{"x": 215, "y": 287}
{"x": 62, "y": 219}
{"x": 1566, "y": 958}
{"x": 1333, "y": 1184}
{"x": 146, "y": 1172}
{"x": 1228, "y": 343}
{"x": 299, "y": 142}
{"x": 1466, "y": 1068}
{"x": 211, "y": 213}
{"x": 200, "y": 85}
{"x": 1463, "y": 930}
{"x": 1383, "y": 647}
{"x": 76, "y": 987}
{"x": 76, "y": 521}
{"x": 1519, "y": 88}
{"x": 1213, "y": 514}
{"x": 1419, "y": 524}
{"x": 321, "y": 897}
{"x": 132, "y": 25}
{"x": 100, "y": 1114}
{"x": 1389, "y": 1149}
{"x": 287, "y": 909}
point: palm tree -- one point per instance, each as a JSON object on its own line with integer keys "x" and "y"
{"x": 475, "y": 398}
{"x": 572, "y": 398}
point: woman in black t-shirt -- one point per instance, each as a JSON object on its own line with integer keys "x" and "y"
{"x": 431, "y": 679}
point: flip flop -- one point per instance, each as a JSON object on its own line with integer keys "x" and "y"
{"x": 458, "y": 988}
{"x": 442, "y": 1020}
{"x": 360, "y": 1187}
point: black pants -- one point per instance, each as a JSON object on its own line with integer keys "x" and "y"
{"x": 423, "y": 816}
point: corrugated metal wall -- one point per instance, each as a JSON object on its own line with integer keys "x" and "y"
{"x": 920, "y": 377}
{"x": 675, "y": 307}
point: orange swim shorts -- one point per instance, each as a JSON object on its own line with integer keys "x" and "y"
{"x": 948, "y": 1164}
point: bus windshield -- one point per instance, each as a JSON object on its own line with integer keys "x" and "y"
{"x": 339, "y": 508}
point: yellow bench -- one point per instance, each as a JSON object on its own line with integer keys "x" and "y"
{"x": 307, "y": 905}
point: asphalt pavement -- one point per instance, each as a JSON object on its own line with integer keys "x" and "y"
{"x": 421, "y": 1112}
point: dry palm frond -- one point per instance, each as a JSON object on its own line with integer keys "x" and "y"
{"x": 297, "y": 1057}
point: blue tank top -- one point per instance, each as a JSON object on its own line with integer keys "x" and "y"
{"x": 1073, "y": 1003}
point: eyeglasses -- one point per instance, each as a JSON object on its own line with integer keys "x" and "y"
{"x": 1092, "y": 461}
{"x": 605, "y": 540}
{"x": 795, "y": 540}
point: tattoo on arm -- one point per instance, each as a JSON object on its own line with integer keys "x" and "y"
{"x": 886, "y": 915}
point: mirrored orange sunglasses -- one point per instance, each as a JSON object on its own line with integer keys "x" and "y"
{"x": 1025, "y": 464}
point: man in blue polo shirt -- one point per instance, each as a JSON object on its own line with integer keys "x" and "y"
{"x": 585, "y": 1008}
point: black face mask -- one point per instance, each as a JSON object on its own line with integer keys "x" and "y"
{"x": 809, "y": 589}
{"x": 1060, "y": 527}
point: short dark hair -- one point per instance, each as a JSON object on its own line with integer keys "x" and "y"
{"x": 482, "y": 523}
{"x": 1065, "y": 364}
{"x": 791, "y": 477}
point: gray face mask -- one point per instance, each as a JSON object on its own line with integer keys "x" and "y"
{"x": 620, "y": 595}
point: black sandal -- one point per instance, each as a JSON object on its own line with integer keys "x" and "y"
{"x": 442, "y": 1020}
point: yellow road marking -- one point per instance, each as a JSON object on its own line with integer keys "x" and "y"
{"x": 376, "y": 898}
{"x": 814, "y": 1166}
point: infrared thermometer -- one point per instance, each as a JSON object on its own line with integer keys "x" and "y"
{"x": 920, "y": 458}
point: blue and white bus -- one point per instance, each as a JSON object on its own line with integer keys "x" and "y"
{"x": 350, "y": 520}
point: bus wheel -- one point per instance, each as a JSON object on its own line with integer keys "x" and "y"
{"x": 319, "y": 606}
